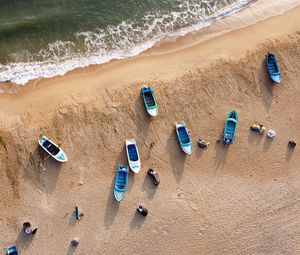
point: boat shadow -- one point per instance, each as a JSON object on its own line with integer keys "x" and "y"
{"x": 149, "y": 187}
{"x": 144, "y": 120}
{"x": 137, "y": 220}
{"x": 177, "y": 157}
{"x": 199, "y": 151}
{"x": 254, "y": 137}
{"x": 266, "y": 86}
{"x": 112, "y": 207}
{"x": 42, "y": 170}
{"x": 221, "y": 154}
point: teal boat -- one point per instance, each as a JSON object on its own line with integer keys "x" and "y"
{"x": 121, "y": 182}
{"x": 149, "y": 101}
{"x": 12, "y": 251}
{"x": 273, "y": 67}
{"x": 230, "y": 127}
{"x": 184, "y": 137}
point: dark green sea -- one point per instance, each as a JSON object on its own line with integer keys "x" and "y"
{"x": 44, "y": 38}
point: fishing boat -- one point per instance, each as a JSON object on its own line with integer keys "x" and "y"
{"x": 149, "y": 101}
{"x": 133, "y": 155}
{"x": 230, "y": 127}
{"x": 184, "y": 137}
{"x": 273, "y": 68}
{"x": 52, "y": 149}
{"x": 121, "y": 182}
{"x": 12, "y": 251}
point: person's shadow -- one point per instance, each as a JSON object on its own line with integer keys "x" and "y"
{"x": 149, "y": 187}
{"x": 23, "y": 240}
{"x": 289, "y": 154}
{"x": 71, "y": 249}
{"x": 137, "y": 220}
{"x": 176, "y": 156}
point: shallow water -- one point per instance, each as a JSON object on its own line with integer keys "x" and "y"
{"x": 44, "y": 38}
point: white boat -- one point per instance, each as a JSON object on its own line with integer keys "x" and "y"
{"x": 52, "y": 149}
{"x": 133, "y": 155}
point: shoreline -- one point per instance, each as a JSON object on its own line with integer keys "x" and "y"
{"x": 241, "y": 199}
{"x": 93, "y": 80}
{"x": 251, "y": 14}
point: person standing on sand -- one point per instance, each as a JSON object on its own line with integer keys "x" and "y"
{"x": 27, "y": 229}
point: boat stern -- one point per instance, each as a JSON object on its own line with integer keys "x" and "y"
{"x": 153, "y": 112}
{"x": 119, "y": 195}
{"x": 61, "y": 157}
{"x": 135, "y": 167}
{"x": 188, "y": 149}
{"x": 42, "y": 140}
{"x": 276, "y": 78}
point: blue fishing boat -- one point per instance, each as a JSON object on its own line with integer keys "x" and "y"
{"x": 12, "y": 251}
{"x": 149, "y": 101}
{"x": 230, "y": 127}
{"x": 273, "y": 68}
{"x": 121, "y": 182}
{"x": 133, "y": 155}
{"x": 184, "y": 137}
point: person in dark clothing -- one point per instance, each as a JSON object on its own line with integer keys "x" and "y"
{"x": 292, "y": 144}
{"x": 142, "y": 210}
{"x": 27, "y": 228}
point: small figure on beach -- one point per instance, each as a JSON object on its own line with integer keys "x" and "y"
{"x": 78, "y": 214}
{"x": 27, "y": 229}
{"x": 258, "y": 128}
{"x": 271, "y": 133}
{"x": 292, "y": 144}
{"x": 75, "y": 242}
{"x": 202, "y": 143}
{"x": 154, "y": 176}
{"x": 142, "y": 210}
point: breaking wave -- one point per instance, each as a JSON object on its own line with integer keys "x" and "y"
{"x": 127, "y": 39}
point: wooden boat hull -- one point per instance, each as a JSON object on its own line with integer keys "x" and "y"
{"x": 121, "y": 183}
{"x": 184, "y": 137}
{"x": 230, "y": 127}
{"x": 149, "y": 101}
{"x": 61, "y": 156}
{"x": 273, "y": 68}
{"x": 133, "y": 155}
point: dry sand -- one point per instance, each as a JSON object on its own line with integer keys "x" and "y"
{"x": 240, "y": 200}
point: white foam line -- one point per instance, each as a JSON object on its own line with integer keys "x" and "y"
{"x": 60, "y": 57}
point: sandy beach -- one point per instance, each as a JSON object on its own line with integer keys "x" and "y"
{"x": 237, "y": 200}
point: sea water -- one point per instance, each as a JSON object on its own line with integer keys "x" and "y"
{"x": 45, "y": 38}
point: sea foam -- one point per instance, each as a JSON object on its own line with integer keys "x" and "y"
{"x": 127, "y": 39}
